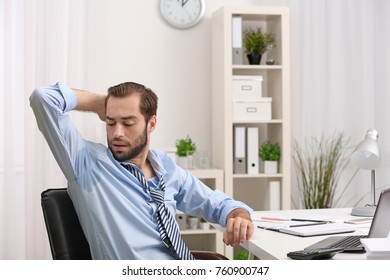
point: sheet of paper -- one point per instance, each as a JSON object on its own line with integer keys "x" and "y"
{"x": 316, "y": 230}
{"x": 282, "y": 219}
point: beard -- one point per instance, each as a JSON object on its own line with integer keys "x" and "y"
{"x": 134, "y": 149}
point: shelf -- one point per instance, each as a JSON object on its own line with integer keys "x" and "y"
{"x": 276, "y": 121}
{"x": 207, "y": 173}
{"x": 257, "y": 67}
{"x": 260, "y": 175}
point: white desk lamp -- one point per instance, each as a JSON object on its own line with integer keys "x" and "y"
{"x": 367, "y": 156}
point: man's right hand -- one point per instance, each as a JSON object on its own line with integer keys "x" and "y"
{"x": 91, "y": 102}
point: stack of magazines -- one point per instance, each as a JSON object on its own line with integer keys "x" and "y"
{"x": 377, "y": 248}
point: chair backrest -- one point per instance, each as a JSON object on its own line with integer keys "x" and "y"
{"x": 67, "y": 239}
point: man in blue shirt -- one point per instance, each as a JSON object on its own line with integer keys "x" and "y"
{"x": 116, "y": 212}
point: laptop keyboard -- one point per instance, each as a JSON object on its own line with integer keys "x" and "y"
{"x": 352, "y": 241}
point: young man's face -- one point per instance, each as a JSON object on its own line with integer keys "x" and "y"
{"x": 127, "y": 130}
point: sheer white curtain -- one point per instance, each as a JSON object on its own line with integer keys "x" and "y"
{"x": 339, "y": 78}
{"x": 41, "y": 42}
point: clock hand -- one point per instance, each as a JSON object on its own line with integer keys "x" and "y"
{"x": 183, "y": 2}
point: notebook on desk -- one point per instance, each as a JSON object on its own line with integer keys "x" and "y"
{"x": 307, "y": 229}
{"x": 316, "y": 230}
{"x": 380, "y": 228}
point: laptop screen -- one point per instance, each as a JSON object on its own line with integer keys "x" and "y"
{"x": 380, "y": 226}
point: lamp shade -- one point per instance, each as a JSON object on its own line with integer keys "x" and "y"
{"x": 366, "y": 154}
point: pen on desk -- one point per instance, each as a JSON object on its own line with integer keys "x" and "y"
{"x": 309, "y": 220}
{"x": 293, "y": 219}
{"x": 292, "y": 226}
{"x": 274, "y": 219}
{"x": 313, "y": 224}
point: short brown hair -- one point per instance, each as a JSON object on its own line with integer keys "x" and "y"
{"x": 149, "y": 100}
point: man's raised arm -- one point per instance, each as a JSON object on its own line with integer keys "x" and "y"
{"x": 91, "y": 102}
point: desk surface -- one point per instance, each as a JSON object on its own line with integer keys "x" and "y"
{"x": 270, "y": 245}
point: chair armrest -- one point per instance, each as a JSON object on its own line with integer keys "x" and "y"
{"x": 206, "y": 255}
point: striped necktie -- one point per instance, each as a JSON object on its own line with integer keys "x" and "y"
{"x": 167, "y": 225}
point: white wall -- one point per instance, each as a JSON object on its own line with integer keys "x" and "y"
{"x": 129, "y": 41}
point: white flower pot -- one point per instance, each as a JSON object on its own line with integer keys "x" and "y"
{"x": 182, "y": 162}
{"x": 270, "y": 167}
{"x": 205, "y": 226}
{"x": 193, "y": 223}
{"x": 185, "y": 162}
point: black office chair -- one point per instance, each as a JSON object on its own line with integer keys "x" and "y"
{"x": 67, "y": 239}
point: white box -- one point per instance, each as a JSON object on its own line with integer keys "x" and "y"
{"x": 253, "y": 111}
{"x": 247, "y": 88}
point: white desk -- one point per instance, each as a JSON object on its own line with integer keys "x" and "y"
{"x": 271, "y": 245}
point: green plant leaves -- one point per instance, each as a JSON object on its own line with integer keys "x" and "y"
{"x": 269, "y": 151}
{"x": 319, "y": 165}
{"x": 185, "y": 147}
{"x": 257, "y": 42}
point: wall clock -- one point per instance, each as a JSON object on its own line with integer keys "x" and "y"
{"x": 182, "y": 13}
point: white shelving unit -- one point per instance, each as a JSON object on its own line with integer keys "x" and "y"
{"x": 211, "y": 239}
{"x": 253, "y": 189}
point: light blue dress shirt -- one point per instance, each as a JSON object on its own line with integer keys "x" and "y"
{"x": 117, "y": 214}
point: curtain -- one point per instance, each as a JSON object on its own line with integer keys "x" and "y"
{"x": 41, "y": 42}
{"x": 339, "y": 82}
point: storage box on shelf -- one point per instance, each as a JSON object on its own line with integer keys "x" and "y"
{"x": 248, "y": 102}
{"x": 252, "y": 111}
{"x": 247, "y": 88}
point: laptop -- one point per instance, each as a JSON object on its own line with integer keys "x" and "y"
{"x": 380, "y": 228}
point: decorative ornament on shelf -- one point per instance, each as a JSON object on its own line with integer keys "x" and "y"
{"x": 256, "y": 43}
{"x": 270, "y": 154}
{"x": 270, "y": 55}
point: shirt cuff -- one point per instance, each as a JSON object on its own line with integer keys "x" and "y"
{"x": 68, "y": 95}
{"x": 227, "y": 211}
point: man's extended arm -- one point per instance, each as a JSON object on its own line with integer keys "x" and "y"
{"x": 239, "y": 227}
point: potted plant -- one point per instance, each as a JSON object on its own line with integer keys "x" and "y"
{"x": 193, "y": 222}
{"x": 204, "y": 224}
{"x": 319, "y": 166}
{"x": 185, "y": 148}
{"x": 256, "y": 43}
{"x": 270, "y": 154}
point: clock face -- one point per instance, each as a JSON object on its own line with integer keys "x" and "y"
{"x": 182, "y": 13}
